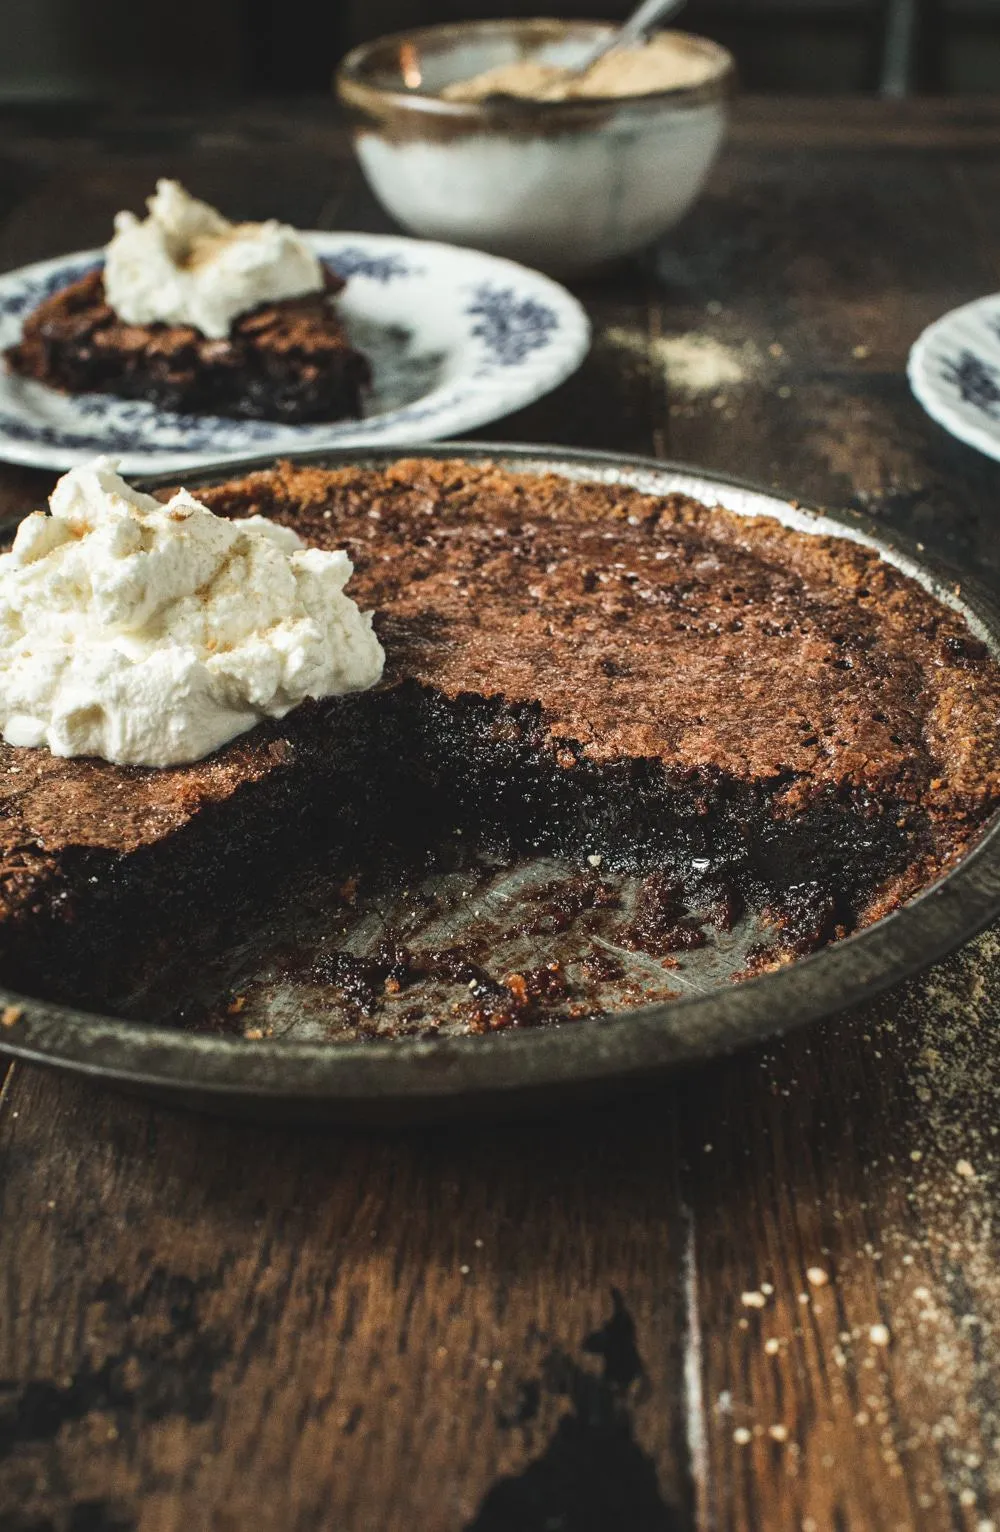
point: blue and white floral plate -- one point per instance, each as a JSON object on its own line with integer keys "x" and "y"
{"x": 954, "y": 371}
{"x": 456, "y": 339}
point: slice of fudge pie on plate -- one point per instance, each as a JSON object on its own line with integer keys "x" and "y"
{"x": 691, "y": 719}
{"x": 190, "y": 339}
{"x": 197, "y": 314}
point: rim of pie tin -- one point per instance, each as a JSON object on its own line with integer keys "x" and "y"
{"x": 412, "y": 1077}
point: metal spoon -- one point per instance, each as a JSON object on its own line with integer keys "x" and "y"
{"x": 642, "y": 20}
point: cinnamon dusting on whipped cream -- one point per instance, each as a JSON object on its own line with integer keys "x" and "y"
{"x": 151, "y": 634}
{"x": 187, "y": 265}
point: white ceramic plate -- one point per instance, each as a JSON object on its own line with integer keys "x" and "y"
{"x": 954, "y": 371}
{"x": 456, "y": 339}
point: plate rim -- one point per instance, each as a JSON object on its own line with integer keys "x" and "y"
{"x": 379, "y": 1077}
{"x": 932, "y": 399}
{"x": 575, "y": 324}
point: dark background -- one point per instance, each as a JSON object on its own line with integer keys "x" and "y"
{"x": 71, "y": 50}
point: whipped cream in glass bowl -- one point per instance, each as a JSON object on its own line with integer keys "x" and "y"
{"x": 187, "y": 265}
{"x": 564, "y": 184}
{"x": 150, "y": 634}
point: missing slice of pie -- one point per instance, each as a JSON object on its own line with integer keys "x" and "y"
{"x": 730, "y": 712}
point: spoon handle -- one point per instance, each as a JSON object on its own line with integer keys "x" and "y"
{"x": 644, "y": 19}
{"x": 638, "y": 24}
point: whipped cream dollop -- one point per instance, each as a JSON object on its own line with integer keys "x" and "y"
{"x": 187, "y": 265}
{"x": 151, "y": 634}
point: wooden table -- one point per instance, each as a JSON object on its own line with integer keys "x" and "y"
{"x": 767, "y": 1297}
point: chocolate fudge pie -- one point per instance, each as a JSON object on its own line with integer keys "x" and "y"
{"x": 199, "y": 315}
{"x": 739, "y": 713}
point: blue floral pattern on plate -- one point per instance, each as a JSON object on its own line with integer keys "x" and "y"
{"x": 356, "y": 261}
{"x": 456, "y": 339}
{"x": 975, "y": 380}
{"x": 509, "y": 325}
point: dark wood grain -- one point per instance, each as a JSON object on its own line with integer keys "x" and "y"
{"x": 844, "y": 1193}
{"x": 301, "y": 1332}
{"x": 765, "y": 1297}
